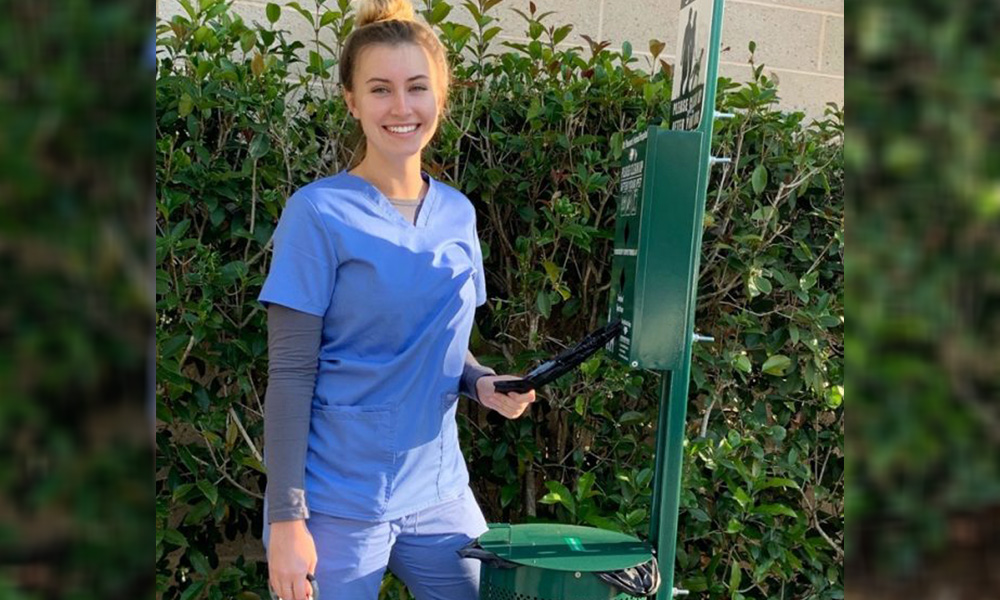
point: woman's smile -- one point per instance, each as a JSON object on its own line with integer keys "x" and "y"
{"x": 402, "y": 130}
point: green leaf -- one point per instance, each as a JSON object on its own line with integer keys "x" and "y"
{"x": 544, "y": 303}
{"x": 174, "y": 345}
{"x": 253, "y": 463}
{"x": 635, "y": 517}
{"x": 835, "y": 396}
{"x": 761, "y": 284}
{"x": 508, "y": 493}
{"x": 759, "y": 179}
{"x": 273, "y": 12}
{"x": 328, "y": 17}
{"x": 630, "y": 417}
{"x": 552, "y": 270}
{"x": 189, "y": 9}
{"x": 735, "y": 578}
{"x": 699, "y": 515}
{"x": 185, "y": 105}
{"x": 199, "y": 562}
{"x": 558, "y": 493}
{"x": 439, "y": 13}
{"x": 742, "y": 363}
{"x": 734, "y": 526}
{"x": 247, "y": 41}
{"x": 175, "y": 537}
{"x": 773, "y": 509}
{"x": 602, "y": 522}
{"x": 829, "y": 321}
{"x": 809, "y": 280}
{"x": 260, "y": 145}
{"x": 777, "y": 365}
{"x": 193, "y": 590}
{"x": 644, "y": 476}
{"x": 209, "y": 490}
{"x": 308, "y": 16}
{"x": 180, "y": 229}
{"x": 742, "y": 498}
{"x": 183, "y": 488}
{"x": 778, "y": 482}
{"x": 584, "y": 485}
{"x": 560, "y": 33}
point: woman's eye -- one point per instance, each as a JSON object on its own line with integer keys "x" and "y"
{"x": 379, "y": 90}
{"x": 418, "y": 88}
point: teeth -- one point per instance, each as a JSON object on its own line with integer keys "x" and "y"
{"x": 406, "y": 129}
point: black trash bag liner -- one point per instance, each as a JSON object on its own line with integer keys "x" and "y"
{"x": 642, "y": 580}
{"x": 474, "y": 550}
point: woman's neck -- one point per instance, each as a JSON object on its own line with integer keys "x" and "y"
{"x": 393, "y": 179}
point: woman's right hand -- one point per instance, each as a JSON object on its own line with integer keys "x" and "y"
{"x": 291, "y": 555}
{"x": 511, "y": 405}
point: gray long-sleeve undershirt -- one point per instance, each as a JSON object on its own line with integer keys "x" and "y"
{"x": 293, "y": 340}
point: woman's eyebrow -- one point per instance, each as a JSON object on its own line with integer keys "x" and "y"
{"x": 379, "y": 79}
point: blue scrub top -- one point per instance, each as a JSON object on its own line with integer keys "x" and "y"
{"x": 397, "y": 301}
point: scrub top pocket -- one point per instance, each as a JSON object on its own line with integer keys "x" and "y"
{"x": 349, "y": 453}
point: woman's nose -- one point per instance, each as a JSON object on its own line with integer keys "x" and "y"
{"x": 400, "y": 104}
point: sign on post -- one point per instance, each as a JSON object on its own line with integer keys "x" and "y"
{"x": 687, "y": 98}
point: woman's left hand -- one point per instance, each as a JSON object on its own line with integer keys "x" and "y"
{"x": 511, "y": 405}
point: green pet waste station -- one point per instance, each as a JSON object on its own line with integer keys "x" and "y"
{"x": 661, "y": 205}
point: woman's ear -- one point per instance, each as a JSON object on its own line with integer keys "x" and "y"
{"x": 349, "y": 100}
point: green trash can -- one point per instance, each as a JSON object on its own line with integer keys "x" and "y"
{"x": 543, "y": 561}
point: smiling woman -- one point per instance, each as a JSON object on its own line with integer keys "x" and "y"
{"x": 373, "y": 286}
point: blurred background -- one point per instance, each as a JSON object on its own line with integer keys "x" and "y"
{"x": 76, "y": 314}
{"x": 923, "y": 282}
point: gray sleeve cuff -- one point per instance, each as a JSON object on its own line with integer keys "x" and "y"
{"x": 470, "y": 374}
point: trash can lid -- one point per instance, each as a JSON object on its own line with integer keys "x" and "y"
{"x": 565, "y": 547}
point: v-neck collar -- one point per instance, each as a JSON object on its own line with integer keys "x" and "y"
{"x": 384, "y": 206}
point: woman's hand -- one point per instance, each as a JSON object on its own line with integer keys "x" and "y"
{"x": 291, "y": 555}
{"x": 511, "y": 405}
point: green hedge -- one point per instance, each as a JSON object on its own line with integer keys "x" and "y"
{"x": 533, "y": 137}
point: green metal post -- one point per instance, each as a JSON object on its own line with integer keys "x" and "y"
{"x": 674, "y": 384}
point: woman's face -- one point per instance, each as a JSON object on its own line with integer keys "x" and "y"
{"x": 395, "y": 99}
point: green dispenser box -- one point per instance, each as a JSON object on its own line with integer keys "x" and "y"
{"x": 653, "y": 282}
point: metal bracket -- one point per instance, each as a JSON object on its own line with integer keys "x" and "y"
{"x": 718, "y": 159}
{"x": 703, "y": 338}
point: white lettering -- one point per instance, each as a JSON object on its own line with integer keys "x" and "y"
{"x": 632, "y": 169}
{"x": 635, "y": 140}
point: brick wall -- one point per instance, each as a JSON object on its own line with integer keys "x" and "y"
{"x": 801, "y": 42}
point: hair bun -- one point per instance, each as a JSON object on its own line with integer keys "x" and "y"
{"x": 373, "y": 11}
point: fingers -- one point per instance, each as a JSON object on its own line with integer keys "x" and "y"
{"x": 294, "y": 587}
{"x": 511, "y": 405}
{"x": 302, "y": 590}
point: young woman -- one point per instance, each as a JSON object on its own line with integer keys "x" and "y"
{"x": 376, "y": 275}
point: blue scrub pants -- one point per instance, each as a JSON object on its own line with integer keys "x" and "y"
{"x": 420, "y": 549}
